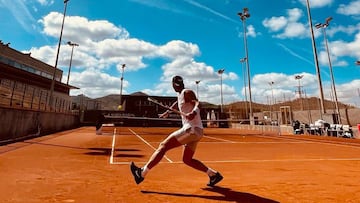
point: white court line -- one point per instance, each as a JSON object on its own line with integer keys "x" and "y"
{"x": 113, "y": 147}
{"x": 245, "y": 142}
{"x": 283, "y": 160}
{"x": 224, "y": 141}
{"x": 313, "y": 141}
{"x": 261, "y": 160}
{"x": 219, "y": 139}
{"x": 148, "y": 144}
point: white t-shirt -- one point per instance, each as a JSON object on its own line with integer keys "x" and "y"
{"x": 187, "y": 108}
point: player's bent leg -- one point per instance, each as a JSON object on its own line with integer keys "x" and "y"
{"x": 139, "y": 173}
{"x": 214, "y": 176}
{"x": 164, "y": 146}
{"x": 190, "y": 161}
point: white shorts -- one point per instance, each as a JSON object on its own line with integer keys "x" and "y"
{"x": 188, "y": 136}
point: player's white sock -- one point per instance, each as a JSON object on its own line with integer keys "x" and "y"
{"x": 144, "y": 171}
{"x": 211, "y": 172}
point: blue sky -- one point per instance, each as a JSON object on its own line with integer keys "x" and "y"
{"x": 158, "y": 39}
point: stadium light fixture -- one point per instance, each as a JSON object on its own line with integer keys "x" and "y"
{"x": 220, "y": 72}
{"x": 52, "y": 87}
{"x": 72, "y": 51}
{"x": 322, "y": 107}
{"x": 243, "y": 16}
{"x": 323, "y": 26}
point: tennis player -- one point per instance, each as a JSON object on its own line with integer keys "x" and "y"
{"x": 188, "y": 136}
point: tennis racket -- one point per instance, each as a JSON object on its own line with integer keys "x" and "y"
{"x": 165, "y": 106}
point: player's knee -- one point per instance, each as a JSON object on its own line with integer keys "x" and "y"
{"x": 187, "y": 160}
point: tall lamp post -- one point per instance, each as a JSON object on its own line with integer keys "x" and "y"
{"x": 197, "y": 88}
{"x": 272, "y": 98}
{"x": 243, "y": 16}
{"x": 358, "y": 64}
{"x": 72, "y": 51}
{"x": 299, "y": 77}
{"x": 57, "y": 58}
{"x": 121, "y": 84}
{"x": 316, "y": 61}
{"x": 323, "y": 26}
{"x": 243, "y": 60}
{"x": 220, "y": 72}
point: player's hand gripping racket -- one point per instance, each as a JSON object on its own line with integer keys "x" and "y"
{"x": 165, "y": 106}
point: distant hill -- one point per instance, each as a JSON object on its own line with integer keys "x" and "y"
{"x": 78, "y": 98}
{"x": 111, "y": 102}
{"x": 312, "y": 103}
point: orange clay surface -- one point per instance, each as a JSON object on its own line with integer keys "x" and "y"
{"x": 79, "y": 166}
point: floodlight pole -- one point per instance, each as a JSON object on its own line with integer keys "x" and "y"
{"x": 121, "y": 82}
{"x": 272, "y": 99}
{"x": 243, "y": 16}
{"x": 322, "y": 111}
{"x": 72, "y": 51}
{"x": 197, "y": 89}
{"x": 220, "y": 72}
{"x": 323, "y": 26}
{"x": 243, "y": 60}
{"x": 299, "y": 77}
{"x": 52, "y": 87}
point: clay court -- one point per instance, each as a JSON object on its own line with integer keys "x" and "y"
{"x": 80, "y": 166}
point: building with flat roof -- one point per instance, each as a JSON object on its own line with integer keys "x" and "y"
{"x": 25, "y": 82}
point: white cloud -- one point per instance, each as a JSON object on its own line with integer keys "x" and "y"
{"x": 294, "y": 30}
{"x": 80, "y": 29}
{"x": 45, "y": 2}
{"x": 288, "y": 26}
{"x": 251, "y": 31}
{"x": 349, "y": 30}
{"x": 342, "y": 48}
{"x": 127, "y": 47}
{"x": 353, "y": 8}
{"x": 104, "y": 46}
{"x": 294, "y": 14}
{"x": 323, "y": 58}
{"x": 176, "y": 48}
{"x": 95, "y": 83}
{"x": 349, "y": 92}
{"x": 317, "y": 3}
{"x": 275, "y": 23}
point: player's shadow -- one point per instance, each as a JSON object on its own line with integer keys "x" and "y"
{"x": 226, "y": 194}
{"x": 107, "y": 151}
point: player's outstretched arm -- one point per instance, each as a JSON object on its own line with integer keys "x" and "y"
{"x": 167, "y": 112}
